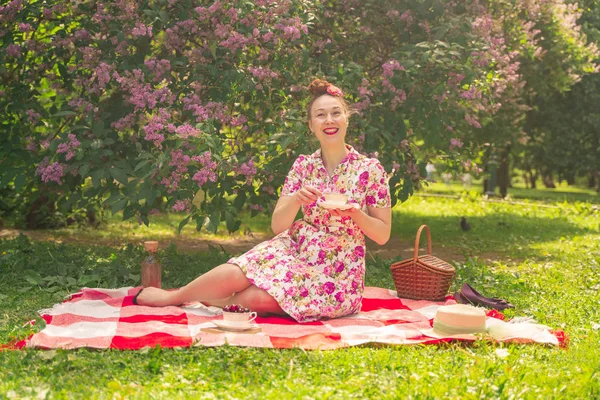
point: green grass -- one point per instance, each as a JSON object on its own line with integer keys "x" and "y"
{"x": 163, "y": 227}
{"x": 510, "y": 230}
{"x": 547, "y": 264}
{"x": 562, "y": 193}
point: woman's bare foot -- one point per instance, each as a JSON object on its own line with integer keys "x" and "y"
{"x": 154, "y": 297}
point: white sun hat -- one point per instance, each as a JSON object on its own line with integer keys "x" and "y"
{"x": 462, "y": 321}
{"x": 457, "y": 321}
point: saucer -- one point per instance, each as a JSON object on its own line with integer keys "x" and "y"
{"x": 233, "y": 326}
{"x": 337, "y": 206}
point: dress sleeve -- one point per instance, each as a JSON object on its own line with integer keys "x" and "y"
{"x": 294, "y": 179}
{"x": 378, "y": 189}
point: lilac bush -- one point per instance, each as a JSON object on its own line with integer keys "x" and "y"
{"x": 130, "y": 101}
{"x": 200, "y": 103}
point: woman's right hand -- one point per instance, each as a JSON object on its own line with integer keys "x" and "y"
{"x": 287, "y": 207}
{"x": 307, "y": 195}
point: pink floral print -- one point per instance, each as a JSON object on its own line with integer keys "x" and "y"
{"x": 316, "y": 268}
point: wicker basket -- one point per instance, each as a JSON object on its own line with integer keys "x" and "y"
{"x": 422, "y": 277}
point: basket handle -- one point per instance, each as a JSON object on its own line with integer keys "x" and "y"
{"x": 416, "y": 253}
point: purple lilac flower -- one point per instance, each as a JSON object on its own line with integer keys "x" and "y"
{"x": 50, "y": 172}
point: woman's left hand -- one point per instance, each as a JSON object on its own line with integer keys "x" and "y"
{"x": 351, "y": 212}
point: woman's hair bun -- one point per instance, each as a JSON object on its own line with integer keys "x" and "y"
{"x": 318, "y": 87}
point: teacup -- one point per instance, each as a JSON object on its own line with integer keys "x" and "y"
{"x": 336, "y": 198}
{"x": 239, "y": 318}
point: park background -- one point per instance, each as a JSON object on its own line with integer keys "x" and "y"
{"x": 178, "y": 120}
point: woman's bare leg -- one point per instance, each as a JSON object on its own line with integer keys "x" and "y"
{"x": 218, "y": 283}
{"x": 254, "y": 298}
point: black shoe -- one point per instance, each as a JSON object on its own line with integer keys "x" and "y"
{"x": 468, "y": 295}
{"x": 134, "y": 300}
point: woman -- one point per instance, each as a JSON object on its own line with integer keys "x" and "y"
{"x": 315, "y": 266}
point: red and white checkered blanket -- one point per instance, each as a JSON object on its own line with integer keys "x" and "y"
{"x": 107, "y": 318}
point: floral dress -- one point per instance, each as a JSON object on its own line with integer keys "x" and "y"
{"x": 316, "y": 268}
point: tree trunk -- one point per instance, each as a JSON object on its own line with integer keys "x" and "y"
{"x": 592, "y": 179}
{"x": 91, "y": 216}
{"x": 526, "y": 179}
{"x": 533, "y": 180}
{"x": 502, "y": 174}
{"x": 484, "y": 163}
{"x": 548, "y": 179}
{"x": 41, "y": 206}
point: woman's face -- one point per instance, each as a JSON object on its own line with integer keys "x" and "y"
{"x": 328, "y": 120}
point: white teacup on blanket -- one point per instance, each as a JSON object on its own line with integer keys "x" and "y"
{"x": 239, "y": 318}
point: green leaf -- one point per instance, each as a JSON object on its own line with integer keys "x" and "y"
{"x": 146, "y": 193}
{"x": 118, "y": 206}
{"x": 151, "y": 198}
{"x": 119, "y": 175}
{"x": 213, "y": 49}
{"x": 211, "y": 141}
{"x": 85, "y": 280}
{"x": 145, "y": 219}
{"x": 406, "y": 189}
{"x": 98, "y": 128}
{"x": 62, "y": 269}
{"x": 64, "y": 114}
{"x": 115, "y": 196}
{"x": 145, "y": 155}
{"x": 232, "y": 224}
{"x": 285, "y": 141}
{"x": 183, "y": 223}
{"x": 128, "y": 212}
{"x": 70, "y": 281}
{"x": 75, "y": 198}
{"x": 200, "y": 220}
{"x": 84, "y": 169}
{"x": 408, "y": 63}
{"x": 63, "y": 70}
{"x": 32, "y": 277}
{"x": 96, "y": 176}
{"x": 240, "y": 200}
{"x": 20, "y": 182}
{"x": 213, "y": 222}
{"x": 142, "y": 164}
